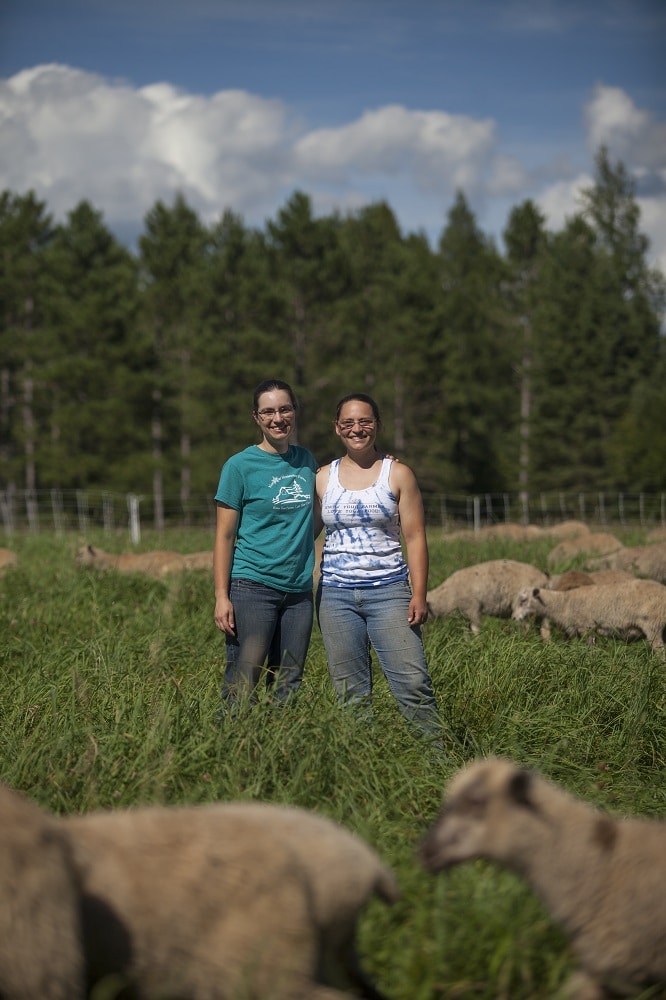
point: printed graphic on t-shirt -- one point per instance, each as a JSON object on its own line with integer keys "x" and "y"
{"x": 290, "y": 493}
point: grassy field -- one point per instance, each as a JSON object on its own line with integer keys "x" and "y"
{"x": 110, "y": 686}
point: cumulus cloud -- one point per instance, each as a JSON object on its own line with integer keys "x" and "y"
{"x": 69, "y": 135}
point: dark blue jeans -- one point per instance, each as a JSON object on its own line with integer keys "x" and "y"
{"x": 273, "y": 629}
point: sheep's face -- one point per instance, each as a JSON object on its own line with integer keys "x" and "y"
{"x": 527, "y": 603}
{"x": 478, "y": 816}
{"x": 86, "y": 555}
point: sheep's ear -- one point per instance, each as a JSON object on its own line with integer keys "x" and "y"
{"x": 91, "y": 549}
{"x": 535, "y": 592}
{"x": 520, "y": 788}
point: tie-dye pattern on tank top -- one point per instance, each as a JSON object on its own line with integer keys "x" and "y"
{"x": 362, "y": 546}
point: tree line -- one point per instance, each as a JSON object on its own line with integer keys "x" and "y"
{"x": 538, "y": 367}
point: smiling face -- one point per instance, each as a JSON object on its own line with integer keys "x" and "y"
{"x": 357, "y": 425}
{"x": 276, "y": 417}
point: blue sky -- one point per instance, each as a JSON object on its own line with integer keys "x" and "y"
{"x": 236, "y": 103}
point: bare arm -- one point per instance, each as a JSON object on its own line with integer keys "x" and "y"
{"x": 412, "y": 524}
{"x": 321, "y": 482}
{"x": 225, "y": 535}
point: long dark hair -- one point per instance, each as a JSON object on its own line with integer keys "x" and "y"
{"x": 268, "y": 385}
{"x": 361, "y": 397}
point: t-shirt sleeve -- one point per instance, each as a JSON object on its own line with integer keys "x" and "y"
{"x": 230, "y": 487}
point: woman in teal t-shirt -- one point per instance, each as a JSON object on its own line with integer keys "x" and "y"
{"x": 264, "y": 552}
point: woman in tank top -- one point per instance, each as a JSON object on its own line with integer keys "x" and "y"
{"x": 364, "y": 597}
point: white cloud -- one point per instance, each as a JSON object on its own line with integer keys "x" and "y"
{"x": 70, "y": 135}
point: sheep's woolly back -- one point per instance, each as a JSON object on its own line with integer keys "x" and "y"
{"x": 647, "y": 561}
{"x": 157, "y": 564}
{"x": 41, "y": 957}
{"x": 262, "y": 895}
{"x": 603, "y": 878}
{"x": 600, "y": 542}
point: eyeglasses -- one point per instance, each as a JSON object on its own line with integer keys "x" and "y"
{"x": 281, "y": 411}
{"x": 363, "y": 422}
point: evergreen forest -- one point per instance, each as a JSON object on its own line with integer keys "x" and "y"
{"x": 539, "y": 367}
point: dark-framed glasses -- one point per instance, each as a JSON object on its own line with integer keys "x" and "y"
{"x": 363, "y": 422}
{"x": 281, "y": 411}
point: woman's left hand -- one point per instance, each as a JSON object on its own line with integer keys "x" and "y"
{"x": 418, "y": 612}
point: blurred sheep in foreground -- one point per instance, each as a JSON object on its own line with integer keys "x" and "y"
{"x": 603, "y": 879}
{"x": 487, "y": 588}
{"x": 40, "y": 932}
{"x": 634, "y": 609}
{"x": 226, "y": 900}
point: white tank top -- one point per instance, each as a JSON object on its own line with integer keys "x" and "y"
{"x": 362, "y": 545}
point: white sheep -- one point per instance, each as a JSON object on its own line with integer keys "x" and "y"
{"x": 226, "y": 900}
{"x": 487, "y": 588}
{"x": 631, "y": 609}
{"x": 644, "y": 560}
{"x": 603, "y": 879}
{"x": 41, "y": 956}
{"x": 599, "y": 542}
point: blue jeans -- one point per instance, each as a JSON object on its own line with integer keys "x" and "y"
{"x": 273, "y": 629}
{"x": 353, "y": 619}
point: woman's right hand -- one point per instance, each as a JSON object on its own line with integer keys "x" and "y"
{"x": 224, "y": 615}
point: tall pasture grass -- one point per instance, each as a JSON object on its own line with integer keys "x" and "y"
{"x": 110, "y": 689}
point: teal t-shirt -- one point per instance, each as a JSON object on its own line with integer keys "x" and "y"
{"x": 273, "y": 495}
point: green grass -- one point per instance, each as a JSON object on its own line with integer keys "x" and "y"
{"x": 110, "y": 687}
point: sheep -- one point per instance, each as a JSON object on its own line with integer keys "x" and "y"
{"x": 224, "y": 900}
{"x": 40, "y": 932}
{"x": 156, "y": 564}
{"x": 198, "y": 560}
{"x": 7, "y": 559}
{"x": 631, "y": 609}
{"x": 644, "y": 560}
{"x": 487, "y": 588}
{"x": 602, "y": 878}
{"x": 600, "y": 542}
{"x": 573, "y": 578}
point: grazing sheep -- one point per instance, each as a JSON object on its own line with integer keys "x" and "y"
{"x": 603, "y": 879}
{"x": 198, "y": 560}
{"x": 573, "y": 578}
{"x": 600, "y": 542}
{"x": 631, "y": 609}
{"x": 487, "y": 588}
{"x": 156, "y": 564}
{"x": 643, "y": 560}
{"x": 227, "y": 900}
{"x": 40, "y": 936}
{"x": 657, "y": 534}
{"x": 7, "y": 559}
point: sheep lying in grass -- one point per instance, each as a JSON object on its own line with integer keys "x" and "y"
{"x": 40, "y": 935}
{"x": 644, "y": 560}
{"x": 603, "y": 879}
{"x": 7, "y": 559}
{"x": 600, "y": 542}
{"x": 156, "y": 564}
{"x": 224, "y": 901}
{"x": 487, "y": 588}
{"x": 632, "y": 609}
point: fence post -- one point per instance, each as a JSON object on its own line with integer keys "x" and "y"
{"x": 602, "y": 508}
{"x": 134, "y": 523}
{"x": 477, "y": 514}
{"x": 56, "y": 507}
